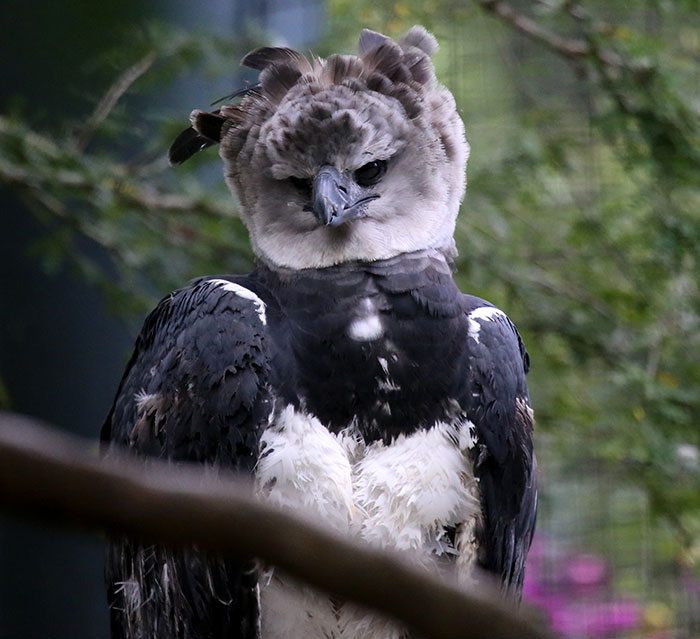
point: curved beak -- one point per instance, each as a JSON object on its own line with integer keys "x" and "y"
{"x": 329, "y": 196}
{"x": 336, "y": 198}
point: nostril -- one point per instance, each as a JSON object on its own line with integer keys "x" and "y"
{"x": 342, "y": 189}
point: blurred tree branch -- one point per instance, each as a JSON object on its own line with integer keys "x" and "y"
{"x": 110, "y": 99}
{"x": 46, "y": 174}
{"x": 637, "y": 85}
{"x": 59, "y": 479}
{"x": 571, "y": 48}
{"x": 159, "y": 228}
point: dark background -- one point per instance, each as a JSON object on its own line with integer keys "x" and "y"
{"x": 62, "y": 352}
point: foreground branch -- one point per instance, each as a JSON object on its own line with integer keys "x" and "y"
{"x": 61, "y": 479}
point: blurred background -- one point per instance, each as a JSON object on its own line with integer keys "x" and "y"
{"x": 581, "y": 221}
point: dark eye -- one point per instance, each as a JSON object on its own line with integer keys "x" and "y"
{"x": 303, "y": 185}
{"x": 370, "y": 173}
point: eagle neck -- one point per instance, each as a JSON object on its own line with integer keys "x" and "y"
{"x": 405, "y": 263}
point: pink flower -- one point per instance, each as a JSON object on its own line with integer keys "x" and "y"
{"x": 586, "y": 572}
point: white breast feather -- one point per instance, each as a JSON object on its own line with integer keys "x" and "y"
{"x": 303, "y": 466}
{"x": 408, "y": 490}
{"x": 367, "y": 326}
{"x": 397, "y": 496}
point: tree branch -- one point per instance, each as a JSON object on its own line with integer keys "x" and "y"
{"x": 571, "y": 49}
{"x": 567, "y": 48}
{"x": 118, "y": 88}
{"x": 61, "y": 479}
{"x": 127, "y": 190}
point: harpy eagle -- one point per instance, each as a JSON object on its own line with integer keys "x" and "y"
{"x": 347, "y": 374}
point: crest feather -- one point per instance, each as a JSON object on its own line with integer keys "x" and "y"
{"x": 187, "y": 144}
{"x": 276, "y": 80}
{"x": 205, "y": 131}
{"x": 399, "y": 69}
{"x": 419, "y": 66}
{"x": 341, "y": 67}
{"x": 264, "y": 57}
{"x": 419, "y": 37}
{"x": 378, "y": 82}
{"x": 207, "y": 124}
{"x": 387, "y": 59}
{"x": 234, "y": 112}
{"x": 370, "y": 40}
{"x": 410, "y": 100}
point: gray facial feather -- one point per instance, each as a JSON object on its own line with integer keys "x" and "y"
{"x": 347, "y": 111}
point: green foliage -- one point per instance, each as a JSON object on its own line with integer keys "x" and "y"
{"x": 159, "y": 226}
{"x": 581, "y": 218}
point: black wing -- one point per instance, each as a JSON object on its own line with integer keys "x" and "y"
{"x": 503, "y": 456}
{"x": 195, "y": 389}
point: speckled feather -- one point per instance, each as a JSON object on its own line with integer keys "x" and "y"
{"x": 383, "y": 104}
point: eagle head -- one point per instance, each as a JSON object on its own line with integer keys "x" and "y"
{"x": 348, "y": 158}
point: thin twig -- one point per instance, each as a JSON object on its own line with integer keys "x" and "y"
{"x": 58, "y": 478}
{"x": 104, "y": 107}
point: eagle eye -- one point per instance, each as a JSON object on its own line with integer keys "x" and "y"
{"x": 370, "y": 173}
{"x": 303, "y": 185}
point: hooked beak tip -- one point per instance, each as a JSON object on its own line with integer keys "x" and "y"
{"x": 329, "y": 196}
{"x": 336, "y": 199}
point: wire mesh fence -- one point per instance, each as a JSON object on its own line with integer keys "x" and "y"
{"x": 601, "y": 567}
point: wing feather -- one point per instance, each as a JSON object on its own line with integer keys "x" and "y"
{"x": 194, "y": 390}
{"x": 504, "y": 461}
